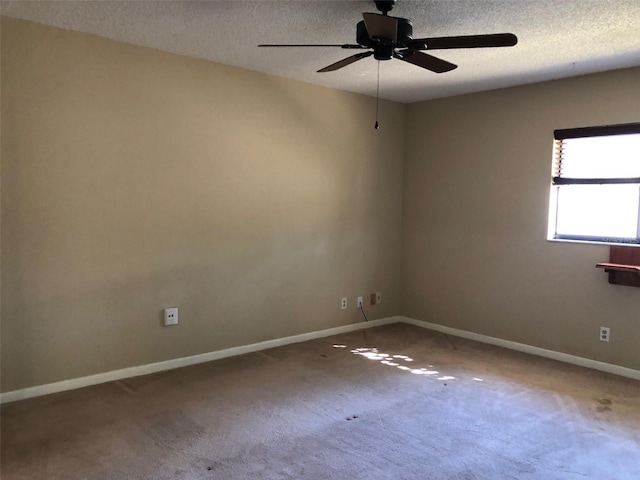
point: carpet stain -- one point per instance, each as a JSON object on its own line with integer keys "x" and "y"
{"x": 123, "y": 385}
{"x": 172, "y": 428}
{"x": 604, "y": 405}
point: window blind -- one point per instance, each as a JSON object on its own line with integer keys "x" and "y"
{"x": 597, "y": 155}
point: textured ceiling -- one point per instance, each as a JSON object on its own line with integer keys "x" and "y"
{"x": 557, "y": 38}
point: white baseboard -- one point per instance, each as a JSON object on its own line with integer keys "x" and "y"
{"x": 521, "y": 347}
{"x": 80, "y": 382}
{"x": 137, "y": 371}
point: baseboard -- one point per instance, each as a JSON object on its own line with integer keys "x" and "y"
{"x": 521, "y": 347}
{"x": 147, "y": 369}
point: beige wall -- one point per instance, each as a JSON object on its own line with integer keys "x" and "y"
{"x": 134, "y": 180}
{"x": 476, "y": 194}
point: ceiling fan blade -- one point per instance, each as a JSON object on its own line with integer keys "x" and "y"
{"x": 424, "y": 60}
{"x": 341, "y": 45}
{"x": 345, "y": 61}
{"x": 464, "y": 41}
{"x": 381, "y": 27}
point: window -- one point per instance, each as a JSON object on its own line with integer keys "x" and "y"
{"x": 595, "y": 192}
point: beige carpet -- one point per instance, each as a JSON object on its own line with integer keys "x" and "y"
{"x": 421, "y": 406}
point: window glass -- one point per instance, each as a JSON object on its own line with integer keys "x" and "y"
{"x": 598, "y": 210}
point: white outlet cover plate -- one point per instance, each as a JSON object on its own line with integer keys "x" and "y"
{"x": 171, "y": 316}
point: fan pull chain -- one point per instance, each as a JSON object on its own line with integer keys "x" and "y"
{"x": 377, "y": 126}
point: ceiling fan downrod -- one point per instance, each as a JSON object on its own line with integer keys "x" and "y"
{"x": 385, "y": 6}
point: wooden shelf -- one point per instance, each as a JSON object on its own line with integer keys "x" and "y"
{"x": 619, "y": 267}
{"x": 623, "y": 266}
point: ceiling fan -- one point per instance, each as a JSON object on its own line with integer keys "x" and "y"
{"x": 386, "y": 37}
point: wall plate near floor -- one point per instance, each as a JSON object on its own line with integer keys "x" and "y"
{"x": 375, "y": 298}
{"x": 343, "y": 303}
{"x": 605, "y": 334}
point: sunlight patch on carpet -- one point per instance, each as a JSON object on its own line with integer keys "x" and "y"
{"x": 395, "y": 361}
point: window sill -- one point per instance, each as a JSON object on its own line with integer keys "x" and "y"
{"x": 593, "y": 242}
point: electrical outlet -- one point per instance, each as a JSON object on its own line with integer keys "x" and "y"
{"x": 378, "y": 298}
{"x": 343, "y": 305}
{"x": 605, "y": 334}
{"x": 359, "y": 302}
{"x": 170, "y": 316}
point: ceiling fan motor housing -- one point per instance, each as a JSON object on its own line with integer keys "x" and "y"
{"x": 383, "y": 48}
